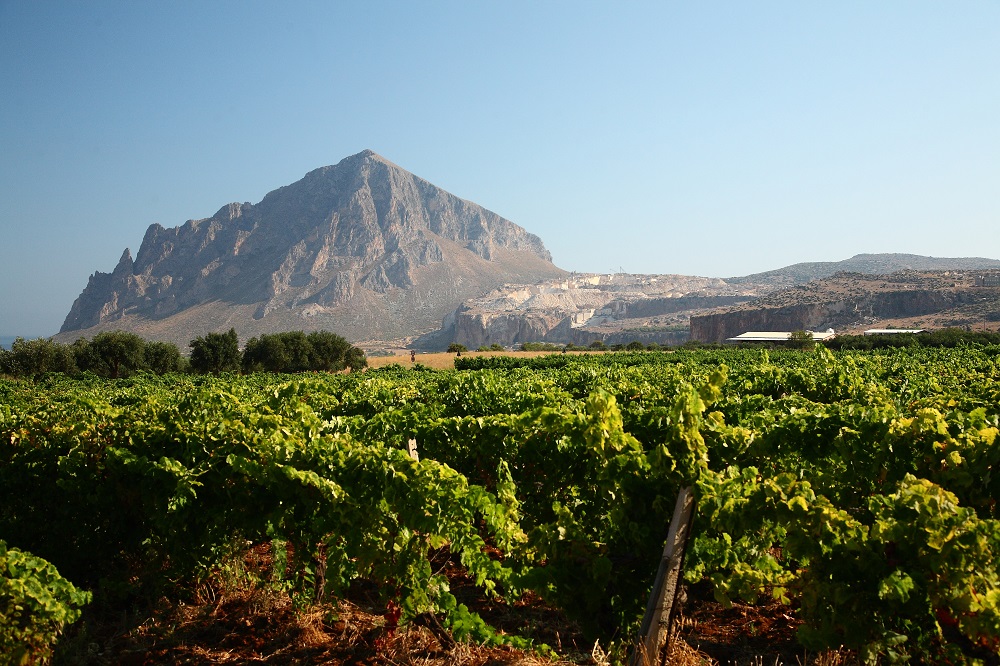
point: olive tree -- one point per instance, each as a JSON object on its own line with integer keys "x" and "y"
{"x": 35, "y": 357}
{"x": 216, "y": 352}
{"x": 294, "y": 351}
{"x": 162, "y": 357}
{"x": 113, "y": 354}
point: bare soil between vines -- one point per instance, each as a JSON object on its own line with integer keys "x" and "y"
{"x": 224, "y": 623}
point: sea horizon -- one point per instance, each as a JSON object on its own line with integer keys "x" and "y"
{"x": 7, "y": 340}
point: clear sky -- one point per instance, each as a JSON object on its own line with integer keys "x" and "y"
{"x": 697, "y": 137}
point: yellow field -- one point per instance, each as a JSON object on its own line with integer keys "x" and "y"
{"x": 444, "y": 360}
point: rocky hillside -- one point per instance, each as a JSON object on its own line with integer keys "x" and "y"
{"x": 582, "y": 308}
{"x": 852, "y": 302}
{"x": 869, "y": 264}
{"x": 668, "y": 309}
{"x": 363, "y": 248}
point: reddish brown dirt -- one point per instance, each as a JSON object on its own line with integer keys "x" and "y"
{"x": 254, "y": 624}
{"x": 742, "y": 633}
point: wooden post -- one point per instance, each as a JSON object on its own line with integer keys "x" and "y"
{"x": 411, "y": 448}
{"x": 655, "y": 631}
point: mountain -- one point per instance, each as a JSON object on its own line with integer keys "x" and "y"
{"x": 369, "y": 250}
{"x": 363, "y": 248}
{"x": 871, "y": 264}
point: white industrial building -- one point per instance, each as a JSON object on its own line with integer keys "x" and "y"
{"x": 892, "y": 331}
{"x": 779, "y": 336}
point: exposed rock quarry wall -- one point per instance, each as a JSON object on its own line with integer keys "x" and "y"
{"x": 717, "y": 327}
{"x": 475, "y": 329}
{"x": 480, "y": 326}
{"x": 652, "y": 307}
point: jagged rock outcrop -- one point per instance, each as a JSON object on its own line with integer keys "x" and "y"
{"x": 364, "y": 248}
{"x": 588, "y": 307}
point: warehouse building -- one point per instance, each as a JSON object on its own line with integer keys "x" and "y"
{"x": 892, "y": 331}
{"x": 779, "y": 337}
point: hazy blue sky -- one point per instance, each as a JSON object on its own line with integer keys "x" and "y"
{"x": 705, "y": 138}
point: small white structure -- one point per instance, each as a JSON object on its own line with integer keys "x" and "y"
{"x": 892, "y": 331}
{"x": 779, "y": 336}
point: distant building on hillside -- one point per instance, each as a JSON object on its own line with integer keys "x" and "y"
{"x": 779, "y": 337}
{"x": 892, "y": 331}
{"x": 990, "y": 280}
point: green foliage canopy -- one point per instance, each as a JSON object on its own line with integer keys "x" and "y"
{"x": 36, "y": 357}
{"x": 112, "y": 354}
{"x": 36, "y": 603}
{"x": 216, "y": 352}
{"x": 295, "y": 351}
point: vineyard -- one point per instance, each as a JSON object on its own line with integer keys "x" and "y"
{"x": 858, "y": 488}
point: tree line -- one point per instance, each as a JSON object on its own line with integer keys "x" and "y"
{"x": 117, "y": 354}
{"x": 800, "y": 339}
{"x": 944, "y": 337}
{"x": 596, "y": 345}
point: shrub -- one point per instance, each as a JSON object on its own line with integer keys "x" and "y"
{"x": 540, "y": 346}
{"x": 355, "y": 359}
{"x": 801, "y": 340}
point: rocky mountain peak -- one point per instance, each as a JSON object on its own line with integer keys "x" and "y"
{"x": 363, "y": 247}
{"x": 125, "y": 264}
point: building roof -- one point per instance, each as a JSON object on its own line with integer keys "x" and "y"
{"x": 779, "y": 336}
{"x": 891, "y": 331}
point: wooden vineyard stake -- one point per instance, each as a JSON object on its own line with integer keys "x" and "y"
{"x": 655, "y": 631}
{"x": 411, "y": 448}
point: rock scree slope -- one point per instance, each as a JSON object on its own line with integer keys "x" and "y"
{"x": 363, "y": 248}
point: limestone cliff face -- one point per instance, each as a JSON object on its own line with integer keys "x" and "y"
{"x": 474, "y": 329}
{"x": 363, "y": 247}
{"x": 618, "y": 321}
{"x": 586, "y": 307}
{"x": 717, "y": 327}
{"x": 844, "y": 301}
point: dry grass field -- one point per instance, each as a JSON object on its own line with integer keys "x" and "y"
{"x": 446, "y": 361}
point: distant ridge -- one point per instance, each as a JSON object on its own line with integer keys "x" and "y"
{"x": 668, "y": 309}
{"x": 851, "y": 302}
{"x": 364, "y": 248}
{"x": 871, "y": 264}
